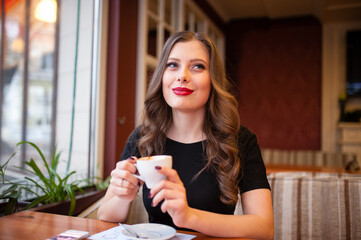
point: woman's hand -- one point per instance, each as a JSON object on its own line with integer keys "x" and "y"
{"x": 173, "y": 193}
{"x": 122, "y": 183}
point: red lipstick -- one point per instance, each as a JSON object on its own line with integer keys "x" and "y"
{"x": 182, "y": 91}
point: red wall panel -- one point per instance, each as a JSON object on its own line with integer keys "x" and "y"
{"x": 276, "y": 66}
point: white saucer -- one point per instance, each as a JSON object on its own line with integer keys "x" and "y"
{"x": 152, "y": 231}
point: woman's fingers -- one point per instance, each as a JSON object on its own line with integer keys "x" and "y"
{"x": 168, "y": 190}
{"x": 122, "y": 182}
{"x": 170, "y": 173}
{"x": 172, "y": 205}
{"x": 127, "y": 165}
{"x": 173, "y": 192}
{"x": 124, "y": 172}
{"x": 172, "y": 176}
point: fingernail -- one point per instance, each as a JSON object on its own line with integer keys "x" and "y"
{"x": 158, "y": 167}
{"x": 152, "y": 204}
{"x": 149, "y": 195}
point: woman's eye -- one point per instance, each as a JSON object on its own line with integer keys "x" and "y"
{"x": 172, "y": 65}
{"x": 199, "y": 66}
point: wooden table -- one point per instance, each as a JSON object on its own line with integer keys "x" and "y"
{"x": 40, "y": 226}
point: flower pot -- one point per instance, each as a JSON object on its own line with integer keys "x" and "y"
{"x": 83, "y": 201}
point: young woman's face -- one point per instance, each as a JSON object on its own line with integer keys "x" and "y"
{"x": 186, "y": 79}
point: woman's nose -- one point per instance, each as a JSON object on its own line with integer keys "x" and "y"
{"x": 182, "y": 78}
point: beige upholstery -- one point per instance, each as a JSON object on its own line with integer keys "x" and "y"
{"x": 316, "y": 205}
{"x": 137, "y": 212}
{"x": 92, "y": 210}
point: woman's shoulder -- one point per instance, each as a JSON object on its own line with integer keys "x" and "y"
{"x": 247, "y": 140}
{"x": 244, "y": 133}
{"x": 131, "y": 148}
{"x": 135, "y": 133}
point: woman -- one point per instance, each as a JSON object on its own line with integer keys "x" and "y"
{"x": 190, "y": 114}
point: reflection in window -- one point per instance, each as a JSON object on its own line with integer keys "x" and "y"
{"x": 41, "y": 75}
{"x": 27, "y": 77}
{"x": 12, "y": 76}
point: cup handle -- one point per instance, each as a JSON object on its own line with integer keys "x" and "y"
{"x": 139, "y": 177}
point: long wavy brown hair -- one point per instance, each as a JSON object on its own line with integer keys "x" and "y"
{"x": 221, "y": 123}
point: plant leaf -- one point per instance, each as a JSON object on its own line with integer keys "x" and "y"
{"x": 71, "y": 194}
{"x": 11, "y": 206}
{"x": 4, "y": 166}
{"x": 36, "y": 184}
{"x": 65, "y": 179}
{"x": 38, "y": 150}
{"x": 34, "y": 203}
{"x": 8, "y": 192}
{"x": 38, "y": 173}
{"x": 29, "y": 190}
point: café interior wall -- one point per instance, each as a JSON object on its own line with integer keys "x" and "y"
{"x": 334, "y": 80}
{"x": 276, "y": 66}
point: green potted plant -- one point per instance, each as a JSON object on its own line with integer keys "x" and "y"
{"x": 56, "y": 194}
{"x": 53, "y": 187}
{"x": 10, "y": 195}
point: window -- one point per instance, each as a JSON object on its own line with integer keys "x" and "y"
{"x": 38, "y": 80}
{"x": 27, "y": 79}
{"x": 158, "y": 19}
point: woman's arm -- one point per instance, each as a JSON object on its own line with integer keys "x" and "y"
{"x": 122, "y": 190}
{"x": 257, "y": 221}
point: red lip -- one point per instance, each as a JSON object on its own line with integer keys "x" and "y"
{"x": 182, "y": 91}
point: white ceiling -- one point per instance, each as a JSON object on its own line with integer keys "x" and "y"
{"x": 325, "y": 10}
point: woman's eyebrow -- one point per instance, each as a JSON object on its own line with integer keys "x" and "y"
{"x": 192, "y": 60}
{"x": 199, "y": 60}
{"x": 173, "y": 59}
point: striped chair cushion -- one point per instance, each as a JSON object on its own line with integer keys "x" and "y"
{"x": 316, "y": 205}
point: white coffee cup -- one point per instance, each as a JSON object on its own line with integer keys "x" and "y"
{"x": 146, "y": 168}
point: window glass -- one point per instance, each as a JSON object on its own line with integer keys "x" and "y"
{"x": 27, "y": 73}
{"x": 152, "y": 37}
{"x": 168, "y": 11}
{"x": 13, "y": 81}
{"x": 41, "y": 76}
{"x": 153, "y": 6}
{"x": 167, "y": 34}
{"x": 187, "y": 21}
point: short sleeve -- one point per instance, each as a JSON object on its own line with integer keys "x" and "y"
{"x": 253, "y": 172}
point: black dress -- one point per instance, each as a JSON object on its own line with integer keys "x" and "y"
{"x": 203, "y": 192}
